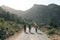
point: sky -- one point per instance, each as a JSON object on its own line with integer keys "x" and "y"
{"x": 26, "y": 4}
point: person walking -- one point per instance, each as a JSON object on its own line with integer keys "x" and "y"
{"x": 35, "y": 26}
{"x": 25, "y": 28}
{"x": 29, "y": 28}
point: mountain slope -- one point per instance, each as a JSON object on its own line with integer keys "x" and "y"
{"x": 7, "y": 16}
{"x": 44, "y": 14}
{"x": 8, "y": 9}
{"x": 40, "y": 13}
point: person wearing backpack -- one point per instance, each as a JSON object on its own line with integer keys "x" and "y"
{"x": 36, "y": 27}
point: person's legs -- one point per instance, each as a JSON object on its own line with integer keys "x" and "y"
{"x": 25, "y": 29}
{"x": 30, "y": 29}
{"x": 36, "y": 30}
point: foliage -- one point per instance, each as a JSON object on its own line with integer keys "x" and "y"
{"x": 44, "y": 14}
{"x": 8, "y": 28}
{"x": 9, "y": 16}
{"x": 51, "y": 31}
{"x": 1, "y": 20}
{"x": 9, "y": 24}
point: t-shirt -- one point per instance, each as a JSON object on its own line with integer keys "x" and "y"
{"x": 36, "y": 26}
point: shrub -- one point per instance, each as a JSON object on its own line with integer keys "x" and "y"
{"x": 50, "y": 31}
{"x": 8, "y": 28}
{"x": 1, "y": 19}
{"x": 50, "y": 27}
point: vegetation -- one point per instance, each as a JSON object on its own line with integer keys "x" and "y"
{"x": 8, "y": 28}
{"x": 50, "y": 31}
{"x": 9, "y": 24}
{"x": 46, "y": 16}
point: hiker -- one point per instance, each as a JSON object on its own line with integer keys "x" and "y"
{"x": 25, "y": 28}
{"x": 29, "y": 26}
{"x": 35, "y": 26}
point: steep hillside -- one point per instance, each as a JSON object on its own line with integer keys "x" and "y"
{"x": 40, "y": 13}
{"x": 11, "y": 10}
{"x": 44, "y": 14}
{"x": 9, "y": 16}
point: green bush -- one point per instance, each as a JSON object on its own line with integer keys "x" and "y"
{"x": 2, "y": 20}
{"x": 51, "y": 31}
{"x": 50, "y": 27}
{"x": 8, "y": 28}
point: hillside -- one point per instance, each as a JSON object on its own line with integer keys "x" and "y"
{"x": 9, "y": 24}
{"x": 11, "y": 19}
{"x": 11, "y": 10}
{"x": 44, "y": 13}
{"x": 9, "y": 16}
{"x": 40, "y": 13}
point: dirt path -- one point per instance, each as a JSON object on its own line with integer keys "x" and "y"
{"x": 34, "y": 36}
